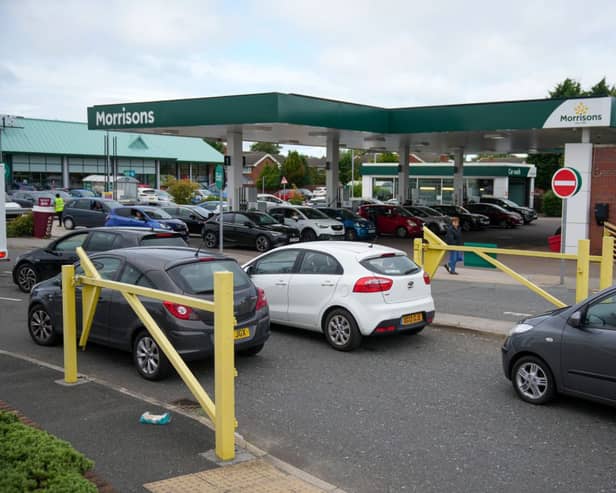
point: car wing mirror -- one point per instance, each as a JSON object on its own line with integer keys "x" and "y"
{"x": 248, "y": 224}
{"x": 575, "y": 320}
{"x": 250, "y": 270}
{"x": 192, "y": 216}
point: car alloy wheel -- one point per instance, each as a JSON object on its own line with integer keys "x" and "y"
{"x": 26, "y": 277}
{"x": 401, "y": 232}
{"x": 341, "y": 330}
{"x": 308, "y": 235}
{"x": 533, "y": 381}
{"x": 69, "y": 223}
{"x": 262, "y": 243}
{"x": 41, "y": 327}
{"x": 150, "y": 361}
{"x": 210, "y": 240}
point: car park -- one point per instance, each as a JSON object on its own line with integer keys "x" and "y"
{"x": 80, "y": 192}
{"x": 249, "y": 229}
{"x": 214, "y": 206}
{"x": 192, "y": 215}
{"x": 270, "y": 200}
{"x": 190, "y": 331}
{"x": 43, "y": 263}
{"x": 528, "y": 215}
{"x": 346, "y": 290}
{"x": 28, "y": 198}
{"x": 568, "y": 351}
{"x": 152, "y": 196}
{"x": 392, "y": 220}
{"x": 468, "y": 220}
{"x": 433, "y": 219}
{"x": 145, "y": 217}
{"x": 498, "y": 216}
{"x": 311, "y": 223}
{"x": 90, "y": 212}
{"x": 355, "y": 226}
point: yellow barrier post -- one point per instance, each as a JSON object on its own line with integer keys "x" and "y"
{"x": 418, "y": 251}
{"x": 606, "y": 273}
{"x": 432, "y": 257}
{"x": 224, "y": 366}
{"x": 69, "y": 319}
{"x": 582, "y": 273}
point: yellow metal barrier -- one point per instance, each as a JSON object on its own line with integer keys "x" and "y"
{"x": 609, "y": 231}
{"x": 223, "y": 413}
{"x": 433, "y": 251}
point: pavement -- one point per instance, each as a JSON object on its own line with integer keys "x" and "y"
{"x": 178, "y": 457}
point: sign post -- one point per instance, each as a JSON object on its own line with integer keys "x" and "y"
{"x": 284, "y": 183}
{"x": 220, "y": 182}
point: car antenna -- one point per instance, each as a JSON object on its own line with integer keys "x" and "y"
{"x": 199, "y": 249}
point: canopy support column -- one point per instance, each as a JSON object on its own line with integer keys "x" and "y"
{"x": 332, "y": 172}
{"x": 458, "y": 176}
{"x": 234, "y": 172}
{"x": 403, "y": 173}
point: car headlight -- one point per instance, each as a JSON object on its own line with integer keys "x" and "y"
{"x": 358, "y": 225}
{"x": 276, "y": 233}
{"x": 165, "y": 226}
{"x": 520, "y": 329}
{"x": 323, "y": 226}
{"x": 411, "y": 223}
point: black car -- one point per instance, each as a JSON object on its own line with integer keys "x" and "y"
{"x": 29, "y": 198}
{"x": 569, "y": 350}
{"x": 90, "y": 212}
{"x": 251, "y": 229}
{"x": 43, "y": 263}
{"x": 528, "y": 215}
{"x": 498, "y": 216}
{"x": 190, "y": 331}
{"x": 468, "y": 220}
{"x": 193, "y": 215}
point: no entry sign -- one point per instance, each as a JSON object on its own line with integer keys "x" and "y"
{"x": 566, "y": 182}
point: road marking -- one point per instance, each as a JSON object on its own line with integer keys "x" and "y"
{"x": 10, "y": 299}
{"x": 518, "y": 314}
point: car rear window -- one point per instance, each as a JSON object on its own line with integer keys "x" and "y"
{"x": 391, "y": 265}
{"x": 163, "y": 239}
{"x": 198, "y": 277}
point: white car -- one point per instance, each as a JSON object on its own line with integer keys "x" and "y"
{"x": 152, "y": 196}
{"x": 312, "y": 223}
{"x": 319, "y": 192}
{"x": 347, "y": 290}
{"x": 270, "y": 200}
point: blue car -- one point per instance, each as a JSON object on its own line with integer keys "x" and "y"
{"x": 356, "y": 227}
{"x": 145, "y": 217}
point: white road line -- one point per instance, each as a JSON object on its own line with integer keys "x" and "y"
{"x": 518, "y": 314}
{"x": 10, "y": 299}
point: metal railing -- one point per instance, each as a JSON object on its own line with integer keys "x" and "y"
{"x": 222, "y": 413}
{"x": 609, "y": 230}
{"x": 430, "y": 251}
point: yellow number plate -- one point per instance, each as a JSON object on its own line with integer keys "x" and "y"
{"x": 242, "y": 333}
{"x": 412, "y": 319}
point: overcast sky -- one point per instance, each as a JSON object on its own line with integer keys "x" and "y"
{"x": 59, "y": 56}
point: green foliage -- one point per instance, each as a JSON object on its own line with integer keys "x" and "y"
{"x": 570, "y": 88}
{"x": 552, "y": 205}
{"x": 219, "y": 146}
{"x": 316, "y": 176}
{"x": 357, "y": 190}
{"x": 546, "y": 164}
{"x": 181, "y": 190}
{"x": 382, "y": 193}
{"x": 271, "y": 173}
{"x": 21, "y": 226}
{"x": 34, "y": 460}
{"x": 387, "y": 157}
{"x": 345, "y": 168}
{"x": 295, "y": 198}
{"x": 268, "y": 147}
{"x": 294, "y": 169}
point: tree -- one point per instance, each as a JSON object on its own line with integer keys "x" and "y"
{"x": 546, "y": 164}
{"x": 345, "y": 168}
{"x": 268, "y": 147}
{"x": 181, "y": 190}
{"x": 271, "y": 174}
{"x": 294, "y": 169}
{"x": 570, "y": 88}
{"x": 601, "y": 88}
{"x": 387, "y": 157}
{"x": 316, "y": 176}
{"x": 216, "y": 144}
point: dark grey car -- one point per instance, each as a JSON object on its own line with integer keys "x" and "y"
{"x": 90, "y": 212}
{"x": 190, "y": 331}
{"x": 571, "y": 350}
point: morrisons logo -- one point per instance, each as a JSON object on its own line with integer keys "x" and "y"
{"x": 124, "y": 118}
{"x": 581, "y": 115}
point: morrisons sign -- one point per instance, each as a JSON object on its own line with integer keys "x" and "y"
{"x": 114, "y": 119}
{"x": 595, "y": 112}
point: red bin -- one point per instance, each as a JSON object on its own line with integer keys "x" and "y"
{"x": 554, "y": 243}
{"x": 43, "y": 213}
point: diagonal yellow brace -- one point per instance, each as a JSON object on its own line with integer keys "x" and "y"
{"x": 432, "y": 257}
{"x": 89, "y": 297}
{"x": 530, "y": 285}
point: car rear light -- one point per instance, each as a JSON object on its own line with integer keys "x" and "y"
{"x": 180, "y": 311}
{"x": 426, "y": 278}
{"x": 372, "y": 284}
{"x": 385, "y": 255}
{"x": 388, "y": 328}
{"x": 261, "y": 299}
{"x": 2, "y": 254}
{"x": 164, "y": 235}
{"x": 430, "y": 317}
{"x": 206, "y": 259}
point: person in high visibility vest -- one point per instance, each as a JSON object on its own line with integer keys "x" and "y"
{"x": 59, "y": 206}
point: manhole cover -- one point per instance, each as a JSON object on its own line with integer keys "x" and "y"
{"x": 185, "y": 403}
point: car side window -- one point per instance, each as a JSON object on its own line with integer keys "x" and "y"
{"x": 277, "y": 263}
{"x": 132, "y": 275}
{"x": 108, "y": 267}
{"x": 319, "y": 263}
{"x": 82, "y": 204}
{"x": 122, "y": 211}
{"x": 227, "y": 217}
{"x": 183, "y": 213}
{"x": 240, "y": 219}
{"x": 71, "y": 243}
{"x": 602, "y": 314}
{"x": 101, "y": 241}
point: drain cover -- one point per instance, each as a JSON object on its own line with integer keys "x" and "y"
{"x": 185, "y": 403}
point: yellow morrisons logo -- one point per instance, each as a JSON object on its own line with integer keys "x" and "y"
{"x": 581, "y": 115}
{"x": 581, "y": 109}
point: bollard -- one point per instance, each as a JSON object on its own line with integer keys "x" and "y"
{"x": 69, "y": 318}
{"x": 606, "y": 273}
{"x": 582, "y": 273}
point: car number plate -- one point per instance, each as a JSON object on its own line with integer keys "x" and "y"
{"x": 241, "y": 333}
{"x": 293, "y": 239}
{"x": 412, "y": 318}
{"x": 372, "y": 231}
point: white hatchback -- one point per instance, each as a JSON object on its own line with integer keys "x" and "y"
{"x": 312, "y": 223}
{"x": 347, "y": 290}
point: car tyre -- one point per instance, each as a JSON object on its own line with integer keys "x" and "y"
{"x": 401, "y": 232}
{"x": 341, "y": 330}
{"x": 533, "y": 381}
{"x": 308, "y": 235}
{"x": 503, "y": 224}
{"x": 251, "y": 351}
{"x": 41, "y": 327}
{"x": 69, "y": 223}
{"x": 466, "y": 226}
{"x": 211, "y": 241}
{"x": 26, "y": 277}
{"x": 149, "y": 359}
{"x": 262, "y": 243}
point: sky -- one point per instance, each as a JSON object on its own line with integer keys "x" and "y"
{"x": 57, "y": 57}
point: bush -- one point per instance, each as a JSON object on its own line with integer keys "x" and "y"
{"x": 34, "y": 460}
{"x": 21, "y": 226}
{"x": 181, "y": 190}
{"x": 296, "y": 198}
{"x": 552, "y": 205}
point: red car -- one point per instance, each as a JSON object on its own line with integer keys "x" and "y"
{"x": 284, "y": 194}
{"x": 392, "y": 220}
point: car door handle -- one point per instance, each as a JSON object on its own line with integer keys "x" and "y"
{"x": 327, "y": 284}
{"x": 281, "y": 283}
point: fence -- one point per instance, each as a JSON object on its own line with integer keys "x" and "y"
{"x": 609, "y": 231}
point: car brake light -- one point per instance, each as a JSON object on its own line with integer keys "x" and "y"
{"x": 206, "y": 259}
{"x": 179, "y": 311}
{"x": 388, "y": 328}
{"x": 426, "y": 277}
{"x": 2, "y": 254}
{"x": 261, "y": 299}
{"x": 164, "y": 235}
{"x": 372, "y": 284}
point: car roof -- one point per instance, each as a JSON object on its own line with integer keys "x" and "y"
{"x": 358, "y": 249}
{"x": 150, "y": 257}
{"x": 125, "y": 230}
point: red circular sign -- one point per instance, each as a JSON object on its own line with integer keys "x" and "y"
{"x": 565, "y": 183}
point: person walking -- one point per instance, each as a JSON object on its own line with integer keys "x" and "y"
{"x": 453, "y": 237}
{"x": 59, "y": 207}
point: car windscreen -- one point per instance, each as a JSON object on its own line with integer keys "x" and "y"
{"x": 200, "y": 211}
{"x": 431, "y": 211}
{"x": 312, "y": 213}
{"x": 416, "y": 211}
{"x": 262, "y": 219}
{"x": 510, "y": 203}
{"x": 198, "y": 277}
{"x": 391, "y": 265}
{"x": 112, "y": 204}
{"x": 162, "y": 239}
{"x": 158, "y": 214}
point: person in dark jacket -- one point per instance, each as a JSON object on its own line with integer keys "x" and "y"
{"x": 453, "y": 237}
